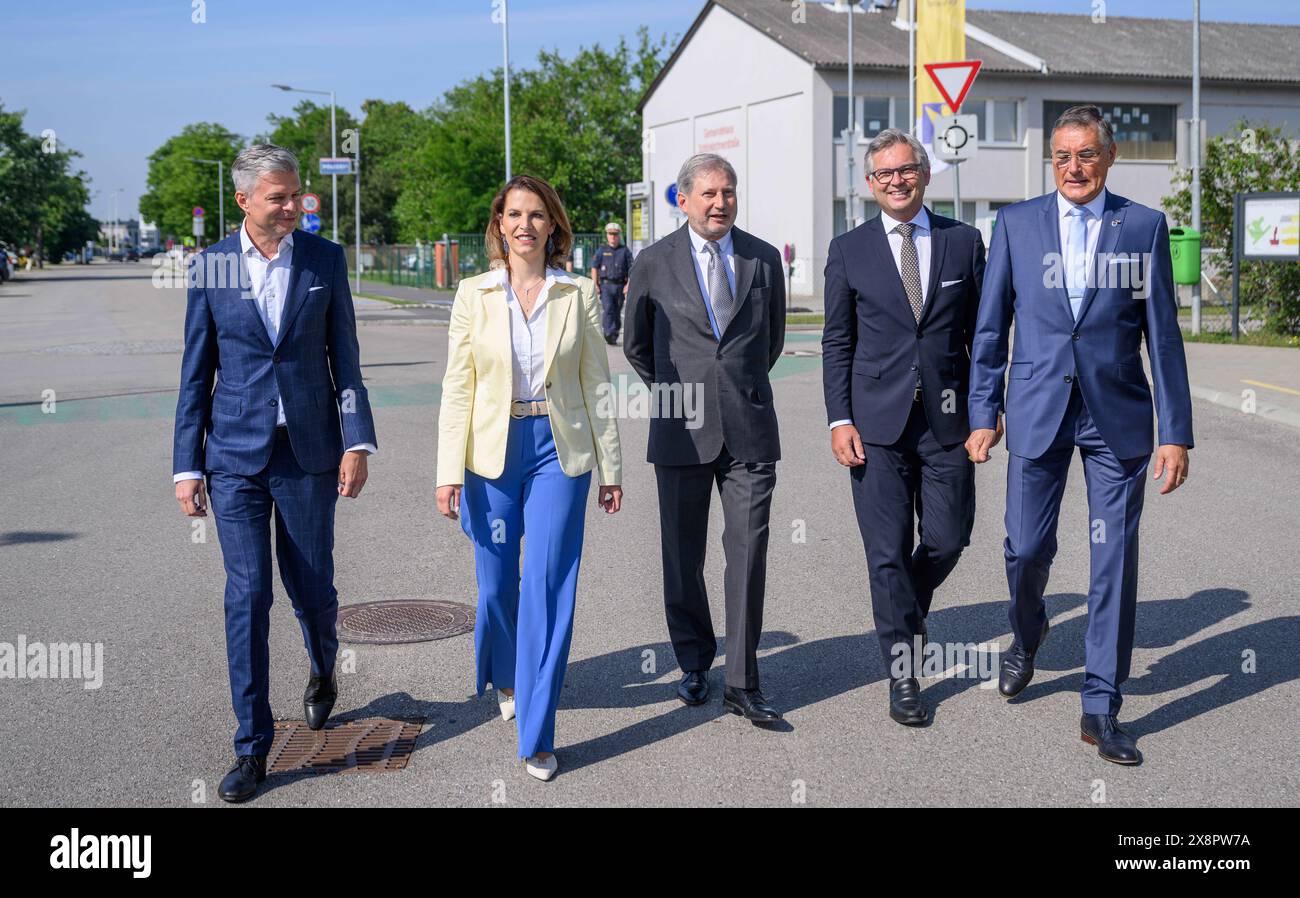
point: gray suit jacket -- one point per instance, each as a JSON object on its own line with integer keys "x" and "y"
{"x": 668, "y": 341}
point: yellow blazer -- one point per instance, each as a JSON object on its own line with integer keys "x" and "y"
{"x": 478, "y": 386}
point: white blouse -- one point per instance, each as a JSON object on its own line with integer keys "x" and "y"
{"x": 528, "y": 337}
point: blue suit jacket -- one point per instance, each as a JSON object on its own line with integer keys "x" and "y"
{"x": 1101, "y": 350}
{"x": 872, "y": 345}
{"x": 226, "y": 412}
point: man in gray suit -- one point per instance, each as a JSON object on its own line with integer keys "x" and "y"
{"x": 706, "y": 314}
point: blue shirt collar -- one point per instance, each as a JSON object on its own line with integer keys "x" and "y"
{"x": 1095, "y": 207}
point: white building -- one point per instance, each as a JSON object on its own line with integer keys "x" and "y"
{"x": 764, "y": 83}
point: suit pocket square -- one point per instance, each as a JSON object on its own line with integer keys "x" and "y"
{"x": 943, "y": 284}
{"x": 321, "y": 287}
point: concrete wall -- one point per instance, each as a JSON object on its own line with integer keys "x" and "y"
{"x": 738, "y": 93}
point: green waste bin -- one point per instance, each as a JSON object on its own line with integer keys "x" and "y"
{"x": 1185, "y": 247}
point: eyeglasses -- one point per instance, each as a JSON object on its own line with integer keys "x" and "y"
{"x": 1087, "y": 158}
{"x": 908, "y": 173}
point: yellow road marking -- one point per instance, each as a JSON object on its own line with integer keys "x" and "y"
{"x": 1260, "y": 383}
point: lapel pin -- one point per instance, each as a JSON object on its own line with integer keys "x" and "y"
{"x": 1114, "y": 222}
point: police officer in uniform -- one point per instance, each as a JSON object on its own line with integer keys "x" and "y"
{"x": 609, "y": 268}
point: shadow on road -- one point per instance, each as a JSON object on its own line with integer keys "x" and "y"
{"x": 798, "y": 674}
{"x": 19, "y": 537}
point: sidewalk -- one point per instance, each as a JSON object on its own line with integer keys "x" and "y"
{"x": 424, "y": 295}
{"x": 1237, "y": 376}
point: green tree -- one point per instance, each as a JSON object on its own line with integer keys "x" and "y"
{"x": 573, "y": 123}
{"x": 1250, "y": 157}
{"x": 177, "y": 184}
{"x": 387, "y": 135}
{"x": 42, "y": 201}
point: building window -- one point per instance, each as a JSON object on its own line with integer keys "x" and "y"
{"x": 999, "y": 120}
{"x": 944, "y": 208}
{"x": 874, "y": 114}
{"x": 1142, "y": 130}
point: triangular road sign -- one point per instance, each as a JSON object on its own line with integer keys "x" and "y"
{"x": 953, "y": 79}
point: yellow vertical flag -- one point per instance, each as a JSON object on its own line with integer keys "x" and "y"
{"x": 940, "y": 37}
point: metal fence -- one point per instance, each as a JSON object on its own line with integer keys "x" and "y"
{"x": 441, "y": 264}
{"x": 1216, "y": 299}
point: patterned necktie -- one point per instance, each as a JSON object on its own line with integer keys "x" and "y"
{"x": 724, "y": 304}
{"x": 1076, "y": 258}
{"x": 911, "y": 269}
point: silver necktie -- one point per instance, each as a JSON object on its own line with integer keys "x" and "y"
{"x": 720, "y": 296}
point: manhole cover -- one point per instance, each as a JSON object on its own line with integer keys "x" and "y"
{"x": 404, "y": 620}
{"x": 373, "y": 744}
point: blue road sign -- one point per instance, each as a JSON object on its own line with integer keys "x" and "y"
{"x": 336, "y": 165}
{"x": 671, "y": 194}
{"x": 311, "y": 223}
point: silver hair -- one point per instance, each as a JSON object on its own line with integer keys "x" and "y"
{"x": 257, "y": 160}
{"x": 888, "y": 138}
{"x": 1085, "y": 116}
{"x": 700, "y": 163}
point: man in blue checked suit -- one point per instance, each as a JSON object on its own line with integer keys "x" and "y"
{"x": 1086, "y": 274}
{"x": 270, "y": 396}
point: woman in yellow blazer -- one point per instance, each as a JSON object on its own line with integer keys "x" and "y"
{"x": 519, "y": 434}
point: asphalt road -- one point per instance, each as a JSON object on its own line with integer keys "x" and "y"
{"x": 93, "y": 549}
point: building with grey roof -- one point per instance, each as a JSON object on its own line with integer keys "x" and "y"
{"x": 765, "y": 83}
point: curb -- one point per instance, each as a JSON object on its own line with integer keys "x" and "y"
{"x": 1233, "y": 402}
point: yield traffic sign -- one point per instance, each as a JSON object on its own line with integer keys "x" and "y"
{"x": 953, "y": 79}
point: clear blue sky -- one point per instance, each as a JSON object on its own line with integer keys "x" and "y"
{"x": 116, "y": 79}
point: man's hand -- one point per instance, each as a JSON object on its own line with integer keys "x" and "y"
{"x": 981, "y": 440}
{"x": 610, "y": 498}
{"x": 625, "y": 283}
{"x": 190, "y": 494}
{"x": 846, "y": 446}
{"x": 1171, "y": 458}
{"x": 352, "y": 474}
{"x": 449, "y": 501}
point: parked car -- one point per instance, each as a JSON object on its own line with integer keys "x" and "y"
{"x": 8, "y": 263}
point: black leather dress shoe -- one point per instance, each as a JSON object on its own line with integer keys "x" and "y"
{"x": 1113, "y": 744}
{"x": 750, "y": 704}
{"x": 318, "y": 700}
{"x": 1018, "y": 667}
{"x": 240, "y": 784}
{"x": 694, "y": 687}
{"x": 905, "y": 702}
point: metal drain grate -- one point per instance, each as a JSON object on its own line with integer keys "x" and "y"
{"x": 375, "y": 744}
{"x": 403, "y": 620}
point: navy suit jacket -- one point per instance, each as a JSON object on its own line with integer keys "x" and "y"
{"x": 230, "y": 373}
{"x": 1102, "y": 350}
{"x": 873, "y": 346}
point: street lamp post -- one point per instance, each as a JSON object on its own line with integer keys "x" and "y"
{"x": 334, "y": 150}
{"x": 221, "y": 192}
{"x": 356, "y": 164}
{"x": 505, "y": 45}
{"x": 112, "y": 235}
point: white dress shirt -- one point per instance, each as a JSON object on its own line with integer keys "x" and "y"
{"x": 270, "y": 283}
{"x": 701, "y": 256}
{"x": 528, "y": 337}
{"x": 1092, "y": 223}
{"x": 921, "y": 237}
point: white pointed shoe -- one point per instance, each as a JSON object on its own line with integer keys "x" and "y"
{"x": 507, "y": 705}
{"x": 541, "y": 769}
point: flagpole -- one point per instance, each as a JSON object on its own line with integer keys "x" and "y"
{"x": 911, "y": 67}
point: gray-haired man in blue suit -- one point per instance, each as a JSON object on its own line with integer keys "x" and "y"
{"x": 270, "y": 395}
{"x": 1087, "y": 276}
